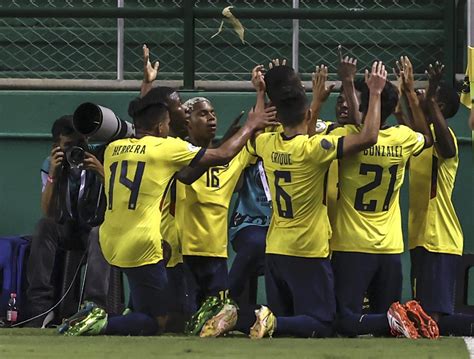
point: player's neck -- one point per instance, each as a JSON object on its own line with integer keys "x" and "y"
{"x": 201, "y": 142}
{"x": 300, "y": 129}
{"x": 141, "y": 133}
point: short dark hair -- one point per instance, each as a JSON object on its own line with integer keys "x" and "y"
{"x": 148, "y": 118}
{"x": 149, "y": 110}
{"x": 286, "y": 92}
{"x": 157, "y": 95}
{"x": 279, "y": 77}
{"x": 388, "y": 99}
{"x": 62, "y": 126}
{"x": 291, "y": 105}
{"x": 448, "y": 95}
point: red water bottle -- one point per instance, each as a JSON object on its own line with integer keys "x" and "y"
{"x": 12, "y": 310}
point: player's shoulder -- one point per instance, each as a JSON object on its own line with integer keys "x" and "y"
{"x": 400, "y": 131}
{"x": 336, "y": 129}
{"x": 265, "y": 137}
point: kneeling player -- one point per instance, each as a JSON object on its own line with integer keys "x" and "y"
{"x": 434, "y": 231}
{"x": 298, "y": 274}
{"x": 367, "y": 240}
{"x": 136, "y": 173}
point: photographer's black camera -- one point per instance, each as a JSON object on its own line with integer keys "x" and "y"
{"x": 75, "y": 156}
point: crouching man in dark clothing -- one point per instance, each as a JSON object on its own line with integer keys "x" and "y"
{"x": 71, "y": 177}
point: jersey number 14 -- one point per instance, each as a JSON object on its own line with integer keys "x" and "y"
{"x": 132, "y": 185}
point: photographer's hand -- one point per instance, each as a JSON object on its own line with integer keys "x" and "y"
{"x": 55, "y": 161}
{"x": 91, "y": 163}
{"x": 57, "y": 157}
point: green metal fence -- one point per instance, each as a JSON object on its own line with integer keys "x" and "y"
{"x": 65, "y": 39}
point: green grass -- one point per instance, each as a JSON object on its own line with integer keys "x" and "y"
{"x": 37, "y": 343}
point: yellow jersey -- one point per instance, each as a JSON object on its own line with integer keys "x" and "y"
{"x": 368, "y": 216}
{"x": 169, "y": 231}
{"x": 202, "y": 212}
{"x": 331, "y": 180}
{"x": 432, "y": 220}
{"x": 136, "y": 174}
{"x": 296, "y": 168}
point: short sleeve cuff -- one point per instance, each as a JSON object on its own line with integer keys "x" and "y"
{"x": 197, "y": 158}
{"x": 340, "y": 147}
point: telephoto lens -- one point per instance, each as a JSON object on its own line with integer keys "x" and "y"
{"x": 100, "y": 123}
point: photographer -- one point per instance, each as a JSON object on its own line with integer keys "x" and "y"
{"x": 66, "y": 176}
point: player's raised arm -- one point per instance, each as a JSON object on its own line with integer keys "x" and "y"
{"x": 150, "y": 72}
{"x": 225, "y": 152}
{"x": 368, "y": 135}
{"x": 402, "y": 112}
{"x": 321, "y": 93}
{"x": 444, "y": 140}
{"x": 419, "y": 123}
{"x": 346, "y": 71}
{"x": 258, "y": 84}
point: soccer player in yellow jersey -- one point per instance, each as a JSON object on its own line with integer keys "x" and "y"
{"x": 367, "y": 237}
{"x": 434, "y": 232}
{"x": 298, "y": 275}
{"x": 178, "y": 302}
{"x": 202, "y": 214}
{"x": 347, "y": 112}
{"x": 136, "y": 173}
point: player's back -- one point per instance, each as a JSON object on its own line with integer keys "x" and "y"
{"x": 296, "y": 169}
{"x": 432, "y": 220}
{"x": 368, "y": 213}
{"x": 136, "y": 174}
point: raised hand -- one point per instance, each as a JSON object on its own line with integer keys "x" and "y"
{"x": 405, "y": 69}
{"x": 150, "y": 72}
{"x": 347, "y": 67}
{"x": 276, "y": 62}
{"x": 377, "y": 78}
{"x": 435, "y": 75}
{"x": 257, "y": 78}
{"x": 91, "y": 163}
{"x": 320, "y": 90}
{"x": 260, "y": 120}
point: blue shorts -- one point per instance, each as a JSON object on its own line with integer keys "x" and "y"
{"x": 300, "y": 286}
{"x": 209, "y": 275}
{"x": 433, "y": 279}
{"x": 379, "y": 276}
{"x": 148, "y": 285}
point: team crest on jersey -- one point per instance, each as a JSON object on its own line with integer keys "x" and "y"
{"x": 325, "y": 144}
{"x": 321, "y": 126}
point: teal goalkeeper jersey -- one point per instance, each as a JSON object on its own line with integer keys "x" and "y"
{"x": 252, "y": 207}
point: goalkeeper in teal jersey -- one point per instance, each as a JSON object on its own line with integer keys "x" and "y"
{"x": 248, "y": 229}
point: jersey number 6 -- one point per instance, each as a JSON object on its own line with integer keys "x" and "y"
{"x": 133, "y": 186}
{"x": 281, "y": 194}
